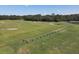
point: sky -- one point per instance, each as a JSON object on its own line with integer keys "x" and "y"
{"x": 38, "y": 9}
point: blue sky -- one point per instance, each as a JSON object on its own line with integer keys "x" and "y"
{"x": 38, "y": 9}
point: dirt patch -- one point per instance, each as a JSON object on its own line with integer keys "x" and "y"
{"x": 2, "y": 22}
{"x": 34, "y": 22}
{"x": 9, "y": 29}
{"x": 1, "y": 45}
{"x": 23, "y": 51}
{"x": 51, "y": 23}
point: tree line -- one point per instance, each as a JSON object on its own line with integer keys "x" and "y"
{"x": 39, "y": 17}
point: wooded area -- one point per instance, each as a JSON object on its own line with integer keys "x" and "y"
{"x": 39, "y": 17}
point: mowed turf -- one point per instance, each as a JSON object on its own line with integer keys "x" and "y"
{"x": 17, "y": 36}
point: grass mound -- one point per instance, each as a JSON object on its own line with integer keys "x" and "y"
{"x": 39, "y": 37}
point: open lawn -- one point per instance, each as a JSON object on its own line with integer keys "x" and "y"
{"x": 17, "y": 36}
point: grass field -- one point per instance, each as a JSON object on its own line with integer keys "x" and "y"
{"x": 38, "y": 37}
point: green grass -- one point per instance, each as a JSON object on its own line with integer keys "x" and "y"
{"x": 38, "y": 37}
